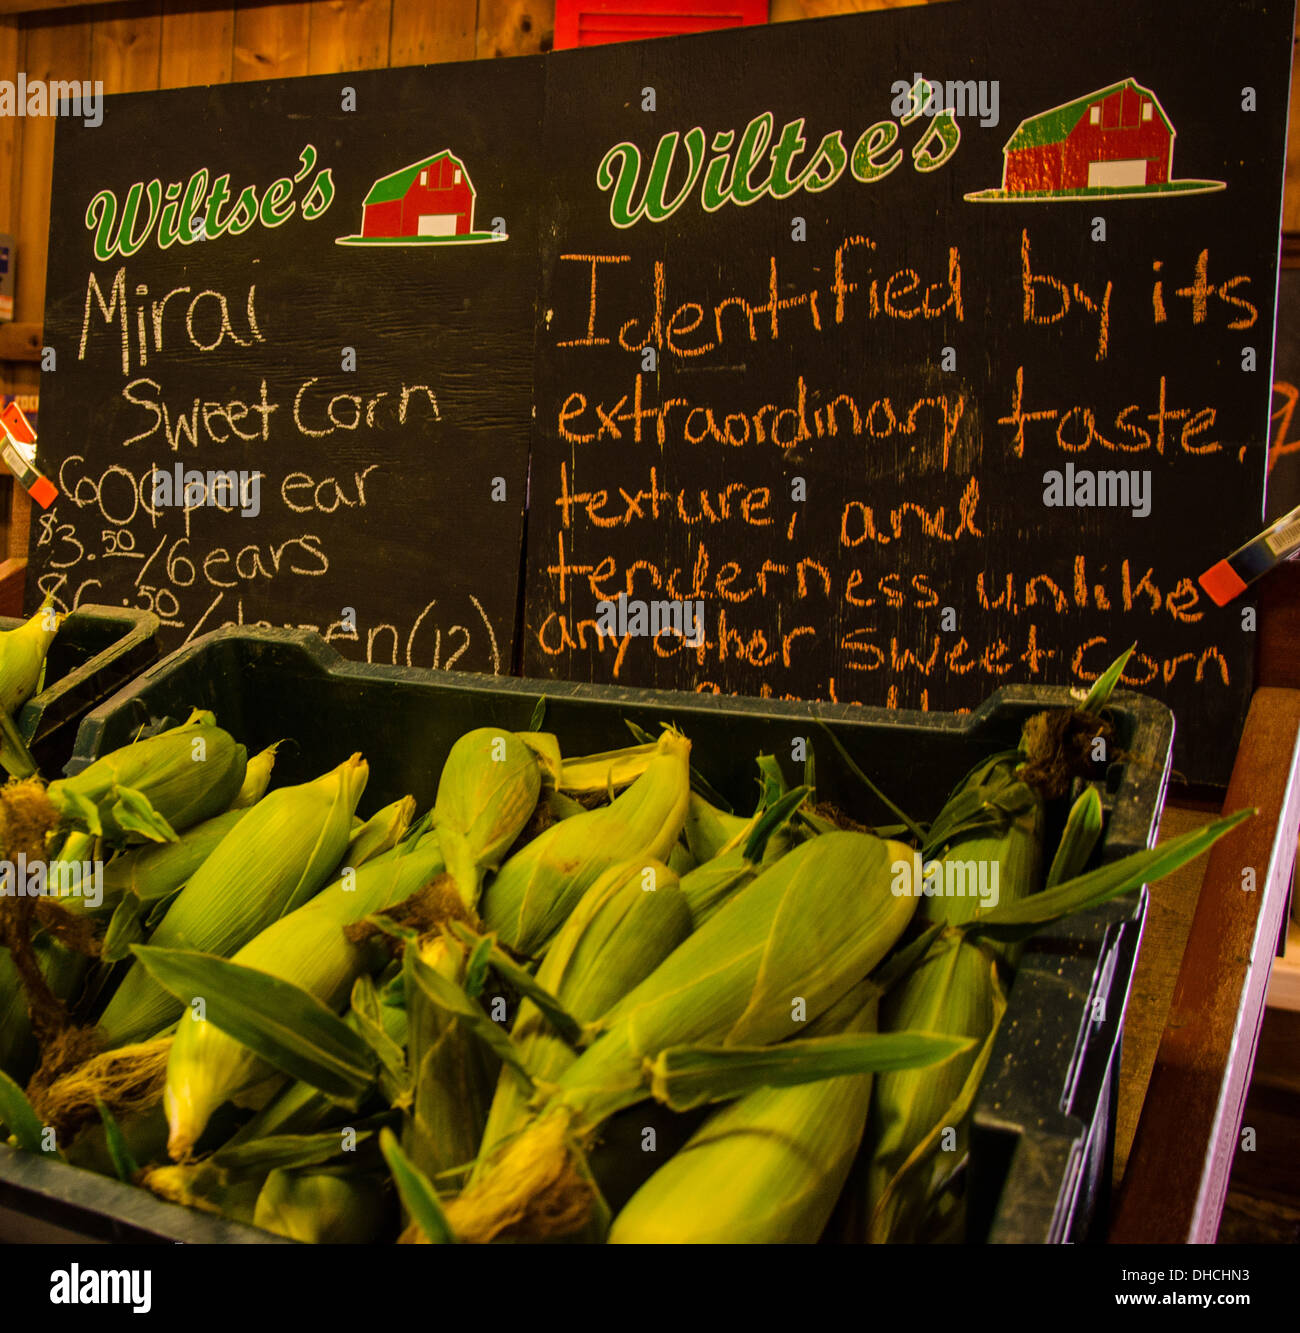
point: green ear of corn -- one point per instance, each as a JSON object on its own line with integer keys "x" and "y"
{"x": 257, "y": 778}
{"x": 487, "y": 792}
{"x": 777, "y": 954}
{"x": 617, "y": 935}
{"x": 157, "y": 787}
{"x": 538, "y": 887}
{"x": 954, "y": 991}
{"x": 22, "y": 656}
{"x": 766, "y": 1169}
{"x": 989, "y": 834}
{"x": 272, "y": 861}
{"x": 155, "y": 870}
{"x": 323, "y": 1206}
{"x": 306, "y": 947}
{"x": 780, "y": 953}
{"x": 380, "y": 833}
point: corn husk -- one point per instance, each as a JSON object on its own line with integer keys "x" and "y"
{"x": 22, "y": 656}
{"x": 954, "y": 991}
{"x": 380, "y": 833}
{"x": 325, "y": 1206}
{"x": 157, "y": 787}
{"x": 257, "y": 778}
{"x": 270, "y": 863}
{"x": 777, "y": 955}
{"x": 616, "y": 936}
{"x": 766, "y": 1169}
{"x": 307, "y": 947}
{"x": 157, "y": 870}
{"x": 487, "y": 792}
{"x": 539, "y": 886}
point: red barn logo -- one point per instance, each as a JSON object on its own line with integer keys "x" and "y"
{"x": 428, "y": 202}
{"x": 1116, "y": 142}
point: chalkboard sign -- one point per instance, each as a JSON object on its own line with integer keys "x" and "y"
{"x": 893, "y": 358}
{"x": 292, "y": 331}
{"x": 884, "y": 359}
{"x": 1284, "y": 452}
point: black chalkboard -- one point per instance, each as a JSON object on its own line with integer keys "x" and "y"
{"x": 905, "y": 555}
{"x": 392, "y": 521}
{"x": 823, "y": 397}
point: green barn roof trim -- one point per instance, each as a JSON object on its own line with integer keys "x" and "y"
{"x": 1054, "y": 125}
{"x": 394, "y": 187}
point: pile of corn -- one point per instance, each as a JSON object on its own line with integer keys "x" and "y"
{"x": 576, "y": 999}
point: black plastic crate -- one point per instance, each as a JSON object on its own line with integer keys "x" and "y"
{"x": 1044, "y": 1123}
{"x": 97, "y": 651}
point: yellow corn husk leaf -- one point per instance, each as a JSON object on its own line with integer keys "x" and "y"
{"x": 323, "y": 1206}
{"x": 709, "y": 830}
{"x": 538, "y": 887}
{"x": 952, "y": 992}
{"x": 307, "y": 947}
{"x": 680, "y": 860}
{"x": 271, "y": 862}
{"x": 487, "y": 792}
{"x": 187, "y": 775}
{"x": 454, "y": 1073}
{"x": 617, "y": 935}
{"x": 22, "y": 656}
{"x": 1006, "y": 858}
{"x": 154, "y": 871}
{"x": 208, "y": 1188}
{"x": 257, "y": 778}
{"x": 768, "y": 1168}
{"x": 380, "y": 833}
{"x": 611, "y": 770}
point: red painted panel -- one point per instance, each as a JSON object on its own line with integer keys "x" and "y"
{"x": 596, "y": 22}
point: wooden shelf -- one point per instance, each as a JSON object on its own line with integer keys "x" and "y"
{"x": 1284, "y": 983}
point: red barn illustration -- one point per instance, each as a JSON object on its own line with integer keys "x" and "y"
{"x": 433, "y": 197}
{"x": 1116, "y": 137}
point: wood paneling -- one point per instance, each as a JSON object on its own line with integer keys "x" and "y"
{"x": 271, "y": 42}
{"x": 514, "y": 27}
{"x": 126, "y": 46}
{"x": 198, "y": 43}
{"x": 348, "y": 34}
{"x": 426, "y": 34}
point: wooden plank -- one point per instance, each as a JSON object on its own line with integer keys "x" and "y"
{"x": 514, "y": 27}
{"x": 348, "y": 34}
{"x": 1170, "y": 912}
{"x": 783, "y": 11}
{"x": 1277, "y": 657}
{"x": 424, "y": 34}
{"x": 198, "y": 43}
{"x": 13, "y": 577}
{"x": 1186, "y": 1140}
{"x": 58, "y": 49}
{"x": 10, "y": 129}
{"x": 270, "y": 42}
{"x": 126, "y": 41}
{"x": 20, "y": 342}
